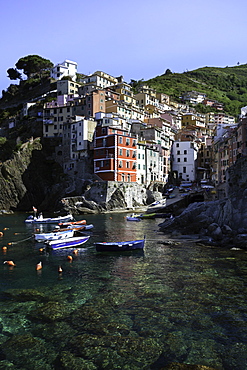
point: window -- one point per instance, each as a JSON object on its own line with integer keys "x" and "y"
{"x": 185, "y": 151}
{"x": 177, "y": 145}
{"x": 178, "y": 159}
{"x": 184, "y": 169}
{"x": 120, "y": 151}
{"x": 120, "y": 140}
{"x": 127, "y": 165}
{"x": 127, "y": 153}
{"x": 185, "y": 159}
{"x": 127, "y": 141}
{"x": 120, "y": 164}
{"x": 178, "y": 152}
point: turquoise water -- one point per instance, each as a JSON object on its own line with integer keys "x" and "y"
{"x": 183, "y": 302}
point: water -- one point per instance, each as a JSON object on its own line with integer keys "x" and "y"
{"x": 183, "y": 302}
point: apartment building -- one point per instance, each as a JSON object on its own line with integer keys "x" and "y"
{"x": 115, "y": 153}
{"x": 67, "y": 87}
{"x": 193, "y": 97}
{"x": 67, "y": 68}
{"x": 77, "y": 135}
{"x": 99, "y": 79}
{"x": 194, "y": 119}
{"x": 184, "y": 160}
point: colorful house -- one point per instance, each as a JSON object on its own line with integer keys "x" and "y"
{"x": 115, "y": 154}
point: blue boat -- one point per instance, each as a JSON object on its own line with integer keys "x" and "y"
{"x": 133, "y": 217}
{"x": 120, "y": 246}
{"x": 68, "y": 243}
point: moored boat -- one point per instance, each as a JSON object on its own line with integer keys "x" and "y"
{"x": 80, "y": 222}
{"x": 54, "y": 235}
{"x": 133, "y": 217}
{"x": 120, "y": 246}
{"x": 68, "y": 243}
{"x": 47, "y": 220}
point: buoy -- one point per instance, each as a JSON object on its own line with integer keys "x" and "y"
{"x": 110, "y": 218}
{"x": 1, "y": 233}
{"x": 60, "y": 270}
{"x": 9, "y": 243}
{"x": 41, "y": 250}
{"x": 39, "y": 266}
{"x": 70, "y": 258}
{"x": 4, "y": 248}
{"x": 9, "y": 263}
{"x": 75, "y": 251}
{"x": 6, "y": 228}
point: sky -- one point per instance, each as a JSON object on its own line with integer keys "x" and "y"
{"x": 138, "y": 39}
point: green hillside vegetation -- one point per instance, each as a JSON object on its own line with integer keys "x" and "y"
{"x": 226, "y": 85}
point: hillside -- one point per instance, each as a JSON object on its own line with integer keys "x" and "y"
{"x": 227, "y": 85}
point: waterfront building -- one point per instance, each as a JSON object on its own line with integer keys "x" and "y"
{"x": 184, "y": 159}
{"x": 115, "y": 152}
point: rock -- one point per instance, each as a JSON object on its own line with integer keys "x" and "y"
{"x": 217, "y": 234}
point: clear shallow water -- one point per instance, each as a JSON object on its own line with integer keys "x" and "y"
{"x": 173, "y": 303}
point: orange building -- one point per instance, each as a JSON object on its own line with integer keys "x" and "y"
{"x": 114, "y": 154}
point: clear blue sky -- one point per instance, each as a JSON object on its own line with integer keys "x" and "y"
{"x": 134, "y": 38}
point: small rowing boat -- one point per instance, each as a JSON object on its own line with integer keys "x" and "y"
{"x": 55, "y": 235}
{"x": 120, "y": 246}
{"x": 68, "y": 243}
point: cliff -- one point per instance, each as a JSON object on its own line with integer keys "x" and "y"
{"x": 222, "y": 221}
{"x": 28, "y": 179}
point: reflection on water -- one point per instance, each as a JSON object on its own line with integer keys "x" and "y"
{"x": 173, "y": 303}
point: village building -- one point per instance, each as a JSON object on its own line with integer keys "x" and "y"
{"x": 115, "y": 153}
{"x": 67, "y": 68}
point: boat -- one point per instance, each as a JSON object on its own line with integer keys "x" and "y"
{"x": 147, "y": 215}
{"x": 49, "y": 220}
{"x": 68, "y": 242}
{"x": 120, "y": 246}
{"x": 54, "y": 235}
{"x": 133, "y": 217}
{"x": 80, "y": 222}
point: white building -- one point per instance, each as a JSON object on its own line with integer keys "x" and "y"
{"x": 184, "y": 155}
{"x": 141, "y": 169}
{"x": 65, "y": 69}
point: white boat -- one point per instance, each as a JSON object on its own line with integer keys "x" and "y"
{"x": 68, "y": 242}
{"x": 49, "y": 220}
{"x": 55, "y": 235}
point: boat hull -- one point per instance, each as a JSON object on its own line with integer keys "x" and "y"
{"x": 68, "y": 243}
{"x": 54, "y": 235}
{"x": 50, "y": 220}
{"x": 120, "y": 246}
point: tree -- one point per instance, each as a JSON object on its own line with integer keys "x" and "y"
{"x": 168, "y": 72}
{"x": 33, "y": 64}
{"x": 13, "y": 74}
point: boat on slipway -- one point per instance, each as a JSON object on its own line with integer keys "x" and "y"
{"x": 120, "y": 246}
{"x": 68, "y": 242}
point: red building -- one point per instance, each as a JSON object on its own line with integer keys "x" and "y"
{"x": 115, "y": 153}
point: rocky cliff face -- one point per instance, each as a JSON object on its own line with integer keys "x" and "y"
{"x": 29, "y": 179}
{"x": 223, "y": 221}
